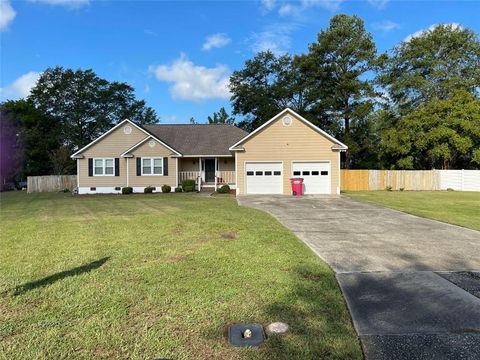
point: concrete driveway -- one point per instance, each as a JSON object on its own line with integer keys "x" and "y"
{"x": 393, "y": 269}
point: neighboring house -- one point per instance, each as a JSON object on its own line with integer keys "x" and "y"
{"x": 261, "y": 162}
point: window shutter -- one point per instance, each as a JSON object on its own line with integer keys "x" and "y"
{"x": 117, "y": 167}
{"x": 90, "y": 167}
{"x": 165, "y": 166}
{"x": 139, "y": 166}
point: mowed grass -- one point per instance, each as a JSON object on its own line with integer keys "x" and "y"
{"x": 159, "y": 276}
{"x": 459, "y": 208}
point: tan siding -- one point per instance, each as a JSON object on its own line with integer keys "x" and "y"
{"x": 154, "y": 180}
{"x": 226, "y": 164}
{"x": 188, "y": 164}
{"x": 111, "y": 146}
{"x": 277, "y": 142}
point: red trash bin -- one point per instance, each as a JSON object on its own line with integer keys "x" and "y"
{"x": 297, "y": 186}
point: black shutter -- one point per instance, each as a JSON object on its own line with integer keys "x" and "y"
{"x": 139, "y": 166}
{"x": 90, "y": 167}
{"x": 165, "y": 166}
{"x": 117, "y": 167}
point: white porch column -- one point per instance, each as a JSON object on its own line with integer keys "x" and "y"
{"x": 216, "y": 164}
{"x": 128, "y": 183}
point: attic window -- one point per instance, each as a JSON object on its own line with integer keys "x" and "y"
{"x": 151, "y": 143}
{"x": 287, "y": 121}
{"x": 127, "y": 130}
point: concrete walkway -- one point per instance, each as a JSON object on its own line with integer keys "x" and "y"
{"x": 386, "y": 263}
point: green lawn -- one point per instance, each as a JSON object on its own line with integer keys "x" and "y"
{"x": 459, "y": 208}
{"x": 159, "y": 276}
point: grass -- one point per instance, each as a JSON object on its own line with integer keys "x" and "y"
{"x": 159, "y": 276}
{"x": 459, "y": 208}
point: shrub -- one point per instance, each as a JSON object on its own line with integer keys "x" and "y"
{"x": 401, "y": 189}
{"x": 450, "y": 189}
{"x": 187, "y": 188}
{"x": 388, "y": 188}
{"x": 178, "y": 189}
{"x": 127, "y": 190}
{"x": 149, "y": 189}
{"x": 224, "y": 189}
{"x": 166, "y": 189}
{"x": 188, "y": 182}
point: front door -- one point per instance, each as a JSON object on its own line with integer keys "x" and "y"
{"x": 209, "y": 170}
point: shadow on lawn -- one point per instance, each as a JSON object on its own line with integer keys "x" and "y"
{"x": 22, "y": 289}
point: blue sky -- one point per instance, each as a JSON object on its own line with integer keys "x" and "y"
{"x": 178, "y": 55}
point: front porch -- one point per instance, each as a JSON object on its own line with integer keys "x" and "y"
{"x": 213, "y": 171}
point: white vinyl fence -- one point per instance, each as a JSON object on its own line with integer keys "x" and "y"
{"x": 460, "y": 180}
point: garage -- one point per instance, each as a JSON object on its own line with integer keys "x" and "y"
{"x": 264, "y": 177}
{"x": 315, "y": 174}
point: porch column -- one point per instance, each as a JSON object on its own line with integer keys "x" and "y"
{"x": 216, "y": 164}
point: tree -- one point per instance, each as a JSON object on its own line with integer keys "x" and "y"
{"x": 432, "y": 65}
{"x": 336, "y": 68}
{"x": 86, "y": 105}
{"x": 221, "y": 117}
{"x": 442, "y": 133}
{"x": 266, "y": 85}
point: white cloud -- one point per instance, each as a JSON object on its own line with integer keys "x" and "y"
{"x": 193, "y": 82}
{"x": 378, "y": 4}
{"x": 216, "y": 41}
{"x": 455, "y": 26}
{"x": 21, "y": 87}
{"x": 268, "y": 5}
{"x": 7, "y": 14}
{"x": 297, "y": 8}
{"x": 385, "y": 25}
{"x": 276, "y": 38}
{"x": 72, "y": 4}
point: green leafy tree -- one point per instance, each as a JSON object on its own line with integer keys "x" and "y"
{"x": 442, "y": 133}
{"x": 335, "y": 68}
{"x": 266, "y": 85}
{"x": 86, "y": 105}
{"x": 432, "y": 65}
{"x": 221, "y": 117}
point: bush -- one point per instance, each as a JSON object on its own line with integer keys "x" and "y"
{"x": 224, "y": 189}
{"x": 388, "y": 188}
{"x": 188, "y": 188}
{"x": 166, "y": 189}
{"x": 178, "y": 189}
{"x": 402, "y": 189}
{"x": 188, "y": 182}
{"x": 149, "y": 189}
{"x": 127, "y": 190}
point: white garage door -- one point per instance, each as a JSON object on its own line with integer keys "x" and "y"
{"x": 315, "y": 174}
{"x": 264, "y": 177}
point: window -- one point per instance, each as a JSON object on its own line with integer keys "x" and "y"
{"x": 152, "y": 166}
{"x": 258, "y": 173}
{"x": 324, "y": 173}
{"x": 103, "y": 167}
{"x": 315, "y": 173}
{"x": 93, "y": 189}
{"x": 277, "y": 173}
{"x": 296, "y": 173}
{"x": 249, "y": 173}
{"x": 268, "y": 173}
{"x": 307, "y": 173}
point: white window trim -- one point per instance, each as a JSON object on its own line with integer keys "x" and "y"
{"x": 103, "y": 166}
{"x": 151, "y": 165}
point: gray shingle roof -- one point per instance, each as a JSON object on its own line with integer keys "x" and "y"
{"x": 198, "y": 139}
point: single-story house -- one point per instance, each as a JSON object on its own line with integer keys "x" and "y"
{"x": 260, "y": 162}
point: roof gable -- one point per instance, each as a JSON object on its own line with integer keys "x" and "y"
{"x": 339, "y": 145}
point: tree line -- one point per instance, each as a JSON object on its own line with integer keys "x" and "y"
{"x": 414, "y": 107}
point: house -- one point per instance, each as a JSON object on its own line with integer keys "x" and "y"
{"x": 261, "y": 162}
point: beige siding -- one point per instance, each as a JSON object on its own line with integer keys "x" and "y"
{"x": 188, "y": 164}
{"x": 226, "y": 164}
{"x": 154, "y": 180}
{"x": 111, "y": 146}
{"x": 277, "y": 142}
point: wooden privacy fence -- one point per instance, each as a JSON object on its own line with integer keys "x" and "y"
{"x": 364, "y": 180}
{"x": 51, "y": 183}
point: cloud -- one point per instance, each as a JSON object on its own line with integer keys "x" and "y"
{"x": 455, "y": 26}
{"x": 385, "y": 25}
{"x": 193, "y": 82}
{"x": 297, "y": 8}
{"x": 72, "y": 4}
{"x": 7, "y": 14}
{"x": 275, "y": 38}
{"x": 378, "y": 4}
{"x": 216, "y": 41}
{"x": 21, "y": 87}
{"x": 268, "y": 5}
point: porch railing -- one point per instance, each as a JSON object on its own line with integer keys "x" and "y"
{"x": 226, "y": 177}
{"x": 188, "y": 175}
